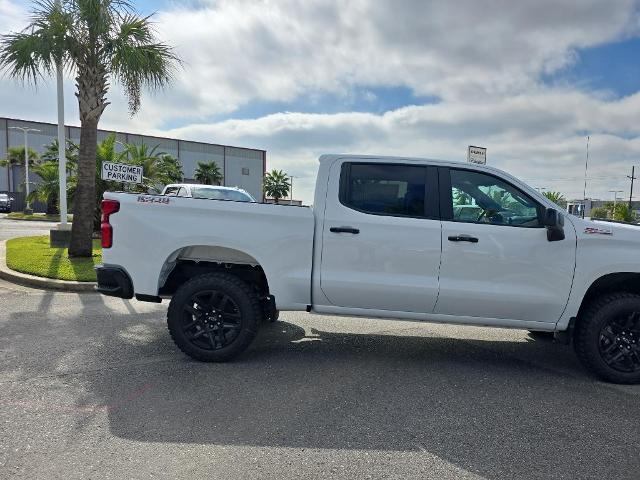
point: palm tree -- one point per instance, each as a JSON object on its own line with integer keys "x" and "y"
{"x": 208, "y": 173}
{"x": 46, "y": 191}
{"x": 50, "y": 154}
{"x": 168, "y": 170}
{"x": 98, "y": 40}
{"x": 158, "y": 168}
{"x": 557, "y": 198}
{"x": 276, "y": 184}
{"x": 15, "y": 157}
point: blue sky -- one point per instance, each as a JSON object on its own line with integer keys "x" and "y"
{"x": 613, "y": 67}
{"x": 410, "y": 77}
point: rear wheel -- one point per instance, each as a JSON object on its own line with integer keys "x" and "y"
{"x": 213, "y": 317}
{"x": 607, "y": 338}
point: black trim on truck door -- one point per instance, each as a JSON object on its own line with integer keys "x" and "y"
{"x": 432, "y": 196}
{"x": 444, "y": 187}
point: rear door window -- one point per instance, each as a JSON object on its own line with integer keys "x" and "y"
{"x": 384, "y": 189}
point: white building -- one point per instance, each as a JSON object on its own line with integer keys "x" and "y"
{"x": 241, "y": 167}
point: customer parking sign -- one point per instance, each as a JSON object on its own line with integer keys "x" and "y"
{"x": 119, "y": 172}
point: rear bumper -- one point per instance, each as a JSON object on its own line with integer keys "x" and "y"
{"x": 114, "y": 281}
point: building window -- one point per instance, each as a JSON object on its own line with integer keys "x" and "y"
{"x": 245, "y": 171}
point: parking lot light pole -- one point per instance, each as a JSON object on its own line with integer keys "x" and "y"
{"x": 291, "y": 192}
{"x": 62, "y": 153}
{"x": 62, "y": 143}
{"x": 26, "y": 131}
{"x": 615, "y": 196}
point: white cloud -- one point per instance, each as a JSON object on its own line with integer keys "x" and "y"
{"x": 248, "y": 50}
{"x": 482, "y": 59}
{"x": 12, "y": 16}
{"x": 539, "y": 137}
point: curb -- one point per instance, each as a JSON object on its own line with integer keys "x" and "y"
{"x": 39, "y": 282}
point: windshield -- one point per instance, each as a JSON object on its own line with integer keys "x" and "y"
{"x": 220, "y": 194}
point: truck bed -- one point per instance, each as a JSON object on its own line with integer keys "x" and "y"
{"x": 150, "y": 232}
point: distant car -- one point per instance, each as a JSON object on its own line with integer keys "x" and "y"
{"x": 208, "y": 192}
{"x": 5, "y": 202}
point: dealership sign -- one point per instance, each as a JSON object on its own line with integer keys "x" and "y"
{"x": 477, "y": 155}
{"x": 118, "y": 172}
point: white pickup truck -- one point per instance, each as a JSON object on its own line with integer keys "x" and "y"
{"x": 387, "y": 237}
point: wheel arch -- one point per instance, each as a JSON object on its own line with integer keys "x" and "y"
{"x": 192, "y": 260}
{"x": 610, "y": 283}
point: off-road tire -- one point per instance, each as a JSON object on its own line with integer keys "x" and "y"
{"x": 273, "y": 316}
{"x": 242, "y": 296}
{"x": 588, "y": 335}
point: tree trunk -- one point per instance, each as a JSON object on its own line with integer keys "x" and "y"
{"x": 91, "y": 82}
{"x": 84, "y": 203}
{"x": 52, "y": 204}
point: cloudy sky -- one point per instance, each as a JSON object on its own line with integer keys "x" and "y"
{"x": 529, "y": 80}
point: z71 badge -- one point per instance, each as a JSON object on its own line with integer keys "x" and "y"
{"x": 152, "y": 199}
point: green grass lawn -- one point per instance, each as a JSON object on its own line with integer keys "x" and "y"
{"x": 42, "y": 217}
{"x": 33, "y": 255}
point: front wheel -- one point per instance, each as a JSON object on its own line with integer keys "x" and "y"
{"x": 213, "y": 317}
{"x": 607, "y": 338}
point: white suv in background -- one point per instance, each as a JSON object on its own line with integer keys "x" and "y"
{"x": 207, "y": 192}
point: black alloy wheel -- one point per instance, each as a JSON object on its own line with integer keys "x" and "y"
{"x": 211, "y": 320}
{"x": 213, "y": 317}
{"x": 619, "y": 342}
{"x": 607, "y": 337}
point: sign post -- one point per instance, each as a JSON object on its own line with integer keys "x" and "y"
{"x": 477, "y": 155}
{"x": 119, "y": 172}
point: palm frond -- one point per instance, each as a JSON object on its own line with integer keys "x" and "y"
{"x": 32, "y": 54}
{"x": 137, "y": 60}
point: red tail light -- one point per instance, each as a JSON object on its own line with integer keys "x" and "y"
{"x": 106, "y": 230}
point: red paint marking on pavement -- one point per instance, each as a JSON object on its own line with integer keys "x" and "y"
{"x": 131, "y": 397}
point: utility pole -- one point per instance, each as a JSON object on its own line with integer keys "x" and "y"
{"x": 632, "y": 177}
{"x": 291, "y": 192}
{"x": 586, "y": 166}
{"x": 26, "y": 130}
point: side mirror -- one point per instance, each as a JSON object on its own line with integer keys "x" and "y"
{"x": 554, "y": 221}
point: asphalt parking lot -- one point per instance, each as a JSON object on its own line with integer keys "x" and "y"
{"x": 15, "y": 228}
{"x": 92, "y": 387}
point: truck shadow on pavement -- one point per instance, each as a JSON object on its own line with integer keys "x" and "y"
{"x": 494, "y": 408}
{"x": 499, "y": 409}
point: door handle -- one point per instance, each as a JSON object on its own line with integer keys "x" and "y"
{"x": 463, "y": 238}
{"x": 344, "y": 230}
